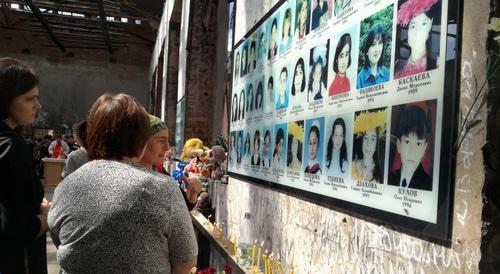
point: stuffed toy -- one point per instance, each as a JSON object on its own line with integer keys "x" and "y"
{"x": 216, "y": 156}
{"x": 189, "y": 146}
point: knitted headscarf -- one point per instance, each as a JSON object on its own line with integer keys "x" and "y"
{"x": 157, "y": 124}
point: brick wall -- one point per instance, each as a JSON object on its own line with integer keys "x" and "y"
{"x": 172, "y": 78}
{"x": 201, "y": 69}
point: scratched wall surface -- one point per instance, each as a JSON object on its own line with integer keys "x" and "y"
{"x": 319, "y": 240}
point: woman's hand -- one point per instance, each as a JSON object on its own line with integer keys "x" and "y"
{"x": 44, "y": 207}
{"x": 44, "y": 212}
{"x": 194, "y": 185}
{"x": 193, "y": 188}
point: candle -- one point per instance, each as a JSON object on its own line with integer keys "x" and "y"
{"x": 253, "y": 252}
{"x": 266, "y": 262}
{"x": 280, "y": 270}
{"x": 271, "y": 263}
{"x": 214, "y": 229}
{"x": 264, "y": 258}
{"x": 235, "y": 251}
{"x": 221, "y": 233}
{"x": 258, "y": 256}
{"x": 228, "y": 240}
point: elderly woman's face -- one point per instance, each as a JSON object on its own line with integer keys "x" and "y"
{"x": 156, "y": 148}
{"x": 418, "y": 30}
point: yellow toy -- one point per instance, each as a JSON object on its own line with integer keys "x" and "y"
{"x": 192, "y": 145}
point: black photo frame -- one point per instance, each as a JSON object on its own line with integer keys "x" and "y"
{"x": 439, "y": 232}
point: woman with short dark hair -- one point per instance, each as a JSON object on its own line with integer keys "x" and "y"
{"x": 23, "y": 210}
{"x": 114, "y": 215}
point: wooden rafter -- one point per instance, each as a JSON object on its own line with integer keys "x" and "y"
{"x": 104, "y": 23}
{"x": 38, "y": 14}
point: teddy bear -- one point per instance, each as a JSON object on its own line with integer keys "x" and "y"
{"x": 189, "y": 146}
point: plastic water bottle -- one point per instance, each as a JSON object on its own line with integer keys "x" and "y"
{"x": 245, "y": 242}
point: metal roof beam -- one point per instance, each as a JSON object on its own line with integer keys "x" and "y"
{"x": 104, "y": 24}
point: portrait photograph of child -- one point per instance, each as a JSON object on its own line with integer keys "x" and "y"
{"x": 412, "y": 145}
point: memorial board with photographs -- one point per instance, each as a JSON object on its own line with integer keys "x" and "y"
{"x": 351, "y": 104}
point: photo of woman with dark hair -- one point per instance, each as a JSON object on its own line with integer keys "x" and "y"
{"x": 286, "y": 30}
{"x": 239, "y": 146}
{"x": 299, "y": 78}
{"x": 236, "y": 65}
{"x": 256, "y": 161}
{"x": 295, "y": 143}
{"x": 313, "y": 150}
{"x": 234, "y": 108}
{"x": 262, "y": 47}
{"x": 232, "y": 148}
{"x": 369, "y": 145}
{"x": 412, "y": 141}
{"x": 319, "y": 15}
{"x": 244, "y": 60}
{"x": 302, "y": 15}
{"x": 375, "y": 52}
{"x": 336, "y": 150}
{"x": 247, "y": 154}
{"x": 417, "y": 49}
{"x": 241, "y": 108}
{"x": 273, "y": 40}
{"x": 278, "y": 157}
{"x": 266, "y": 149}
{"x": 259, "y": 97}
{"x": 250, "y": 99}
{"x": 269, "y": 101}
{"x": 341, "y": 62}
{"x": 317, "y": 74}
{"x": 252, "y": 59}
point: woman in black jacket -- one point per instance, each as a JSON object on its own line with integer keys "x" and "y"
{"x": 23, "y": 210}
